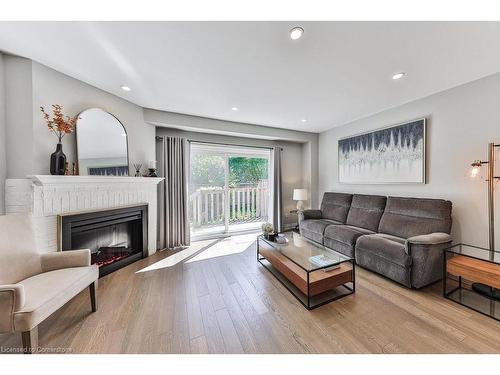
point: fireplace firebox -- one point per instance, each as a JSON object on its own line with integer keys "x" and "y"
{"x": 116, "y": 237}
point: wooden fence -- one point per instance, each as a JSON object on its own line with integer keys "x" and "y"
{"x": 246, "y": 204}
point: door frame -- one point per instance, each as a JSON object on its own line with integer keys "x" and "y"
{"x": 231, "y": 150}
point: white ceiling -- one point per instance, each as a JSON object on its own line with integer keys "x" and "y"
{"x": 337, "y": 72}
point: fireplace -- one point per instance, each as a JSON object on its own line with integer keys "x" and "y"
{"x": 115, "y": 237}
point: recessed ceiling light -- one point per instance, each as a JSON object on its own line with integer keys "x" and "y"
{"x": 296, "y": 33}
{"x": 303, "y": 120}
{"x": 398, "y": 75}
{"x": 234, "y": 108}
{"x": 125, "y": 88}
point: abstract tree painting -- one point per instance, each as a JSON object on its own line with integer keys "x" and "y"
{"x": 386, "y": 156}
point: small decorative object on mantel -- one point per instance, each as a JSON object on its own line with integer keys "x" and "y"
{"x": 268, "y": 231}
{"x": 152, "y": 169}
{"x": 60, "y": 125}
{"x": 137, "y": 167}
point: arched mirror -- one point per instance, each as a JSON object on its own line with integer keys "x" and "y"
{"x": 101, "y": 141}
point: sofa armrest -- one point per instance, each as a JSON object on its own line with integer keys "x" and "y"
{"x": 309, "y": 214}
{"x": 429, "y": 239}
{"x": 12, "y": 299}
{"x": 65, "y": 259}
{"x": 427, "y": 257}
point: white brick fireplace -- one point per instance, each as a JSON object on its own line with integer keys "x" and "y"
{"x": 47, "y": 196}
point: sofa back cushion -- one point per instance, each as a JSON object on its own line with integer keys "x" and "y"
{"x": 335, "y": 206}
{"x": 408, "y": 217}
{"x": 19, "y": 258}
{"x": 366, "y": 211}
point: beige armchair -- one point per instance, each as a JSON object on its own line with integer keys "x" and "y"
{"x": 34, "y": 285}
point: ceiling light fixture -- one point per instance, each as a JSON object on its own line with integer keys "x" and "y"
{"x": 296, "y": 33}
{"x": 234, "y": 108}
{"x": 125, "y": 88}
{"x": 303, "y": 120}
{"x": 398, "y": 75}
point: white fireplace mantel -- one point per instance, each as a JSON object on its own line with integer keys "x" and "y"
{"x": 47, "y": 196}
{"x": 65, "y": 180}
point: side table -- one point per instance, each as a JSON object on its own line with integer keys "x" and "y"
{"x": 465, "y": 265}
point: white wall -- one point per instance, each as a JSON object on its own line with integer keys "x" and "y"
{"x": 257, "y": 134}
{"x": 18, "y": 116}
{"x": 3, "y": 145}
{"x": 29, "y": 85}
{"x": 292, "y": 173}
{"x": 50, "y": 87}
{"x": 461, "y": 123}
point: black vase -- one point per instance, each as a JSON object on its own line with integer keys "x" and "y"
{"x": 58, "y": 161}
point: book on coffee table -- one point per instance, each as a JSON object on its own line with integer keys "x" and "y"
{"x": 323, "y": 260}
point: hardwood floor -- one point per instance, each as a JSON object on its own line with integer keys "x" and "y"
{"x": 231, "y": 304}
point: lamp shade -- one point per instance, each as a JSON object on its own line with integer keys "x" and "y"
{"x": 475, "y": 171}
{"x": 299, "y": 194}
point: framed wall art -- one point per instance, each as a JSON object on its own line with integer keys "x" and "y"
{"x": 392, "y": 155}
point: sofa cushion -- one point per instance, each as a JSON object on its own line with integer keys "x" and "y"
{"x": 345, "y": 233}
{"x": 342, "y": 238}
{"x": 315, "y": 228}
{"x": 47, "y": 292}
{"x": 408, "y": 217}
{"x": 335, "y": 206}
{"x": 366, "y": 211}
{"x": 390, "y": 248}
{"x": 318, "y": 225}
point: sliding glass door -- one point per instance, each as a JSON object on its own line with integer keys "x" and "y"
{"x": 228, "y": 189}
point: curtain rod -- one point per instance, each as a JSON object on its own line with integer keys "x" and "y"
{"x": 221, "y": 143}
{"x": 228, "y": 144}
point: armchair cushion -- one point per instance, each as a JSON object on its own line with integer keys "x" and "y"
{"x": 12, "y": 298}
{"x": 18, "y": 251}
{"x": 65, "y": 259}
{"x": 48, "y": 291}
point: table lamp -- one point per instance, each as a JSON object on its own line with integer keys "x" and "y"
{"x": 300, "y": 195}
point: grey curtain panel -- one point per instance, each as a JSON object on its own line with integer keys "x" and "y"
{"x": 277, "y": 193}
{"x": 172, "y": 154}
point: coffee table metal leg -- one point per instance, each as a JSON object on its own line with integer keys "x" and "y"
{"x": 308, "y": 293}
{"x": 257, "y": 248}
{"x": 444, "y": 274}
{"x": 353, "y": 277}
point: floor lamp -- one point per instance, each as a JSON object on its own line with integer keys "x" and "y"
{"x": 475, "y": 172}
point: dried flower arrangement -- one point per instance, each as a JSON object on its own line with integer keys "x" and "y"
{"x": 59, "y": 124}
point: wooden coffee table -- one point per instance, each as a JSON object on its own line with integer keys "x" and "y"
{"x": 312, "y": 284}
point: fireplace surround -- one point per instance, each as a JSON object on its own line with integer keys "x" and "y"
{"x": 46, "y": 197}
{"x": 116, "y": 237}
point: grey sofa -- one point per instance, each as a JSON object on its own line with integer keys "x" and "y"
{"x": 400, "y": 238}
